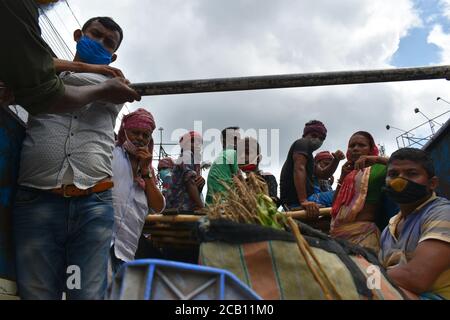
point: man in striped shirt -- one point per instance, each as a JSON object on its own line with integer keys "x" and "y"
{"x": 415, "y": 247}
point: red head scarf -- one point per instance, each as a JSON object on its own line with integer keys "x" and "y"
{"x": 323, "y": 155}
{"x": 317, "y": 127}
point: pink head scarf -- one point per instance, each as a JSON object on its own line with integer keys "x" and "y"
{"x": 139, "y": 119}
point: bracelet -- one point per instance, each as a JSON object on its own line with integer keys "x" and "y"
{"x": 149, "y": 175}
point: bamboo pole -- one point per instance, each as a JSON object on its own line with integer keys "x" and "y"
{"x": 292, "y": 80}
{"x": 301, "y": 214}
{"x": 152, "y": 218}
{"x": 171, "y": 219}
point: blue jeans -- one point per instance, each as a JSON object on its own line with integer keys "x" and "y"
{"x": 52, "y": 234}
{"x": 116, "y": 263}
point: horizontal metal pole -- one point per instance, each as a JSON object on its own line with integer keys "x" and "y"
{"x": 291, "y": 80}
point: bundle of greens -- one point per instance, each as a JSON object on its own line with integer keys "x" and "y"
{"x": 247, "y": 201}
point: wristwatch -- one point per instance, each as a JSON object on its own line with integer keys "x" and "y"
{"x": 149, "y": 175}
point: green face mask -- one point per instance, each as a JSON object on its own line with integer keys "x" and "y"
{"x": 164, "y": 173}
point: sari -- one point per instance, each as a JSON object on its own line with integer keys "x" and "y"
{"x": 358, "y": 188}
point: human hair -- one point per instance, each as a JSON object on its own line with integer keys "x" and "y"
{"x": 224, "y": 134}
{"x": 366, "y": 135}
{"x": 108, "y": 23}
{"x": 414, "y": 155}
{"x": 249, "y": 142}
{"x": 224, "y": 131}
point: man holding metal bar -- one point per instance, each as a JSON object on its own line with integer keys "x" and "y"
{"x": 27, "y": 66}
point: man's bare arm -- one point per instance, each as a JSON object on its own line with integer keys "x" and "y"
{"x": 78, "y": 66}
{"x": 194, "y": 193}
{"x": 114, "y": 90}
{"x": 300, "y": 176}
{"x": 431, "y": 258}
{"x": 329, "y": 170}
{"x": 312, "y": 209}
{"x": 155, "y": 200}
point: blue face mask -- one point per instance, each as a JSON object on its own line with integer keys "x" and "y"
{"x": 92, "y": 52}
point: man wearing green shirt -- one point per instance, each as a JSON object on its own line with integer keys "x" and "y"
{"x": 27, "y": 68}
{"x": 225, "y": 166}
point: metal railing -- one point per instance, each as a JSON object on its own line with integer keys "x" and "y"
{"x": 292, "y": 80}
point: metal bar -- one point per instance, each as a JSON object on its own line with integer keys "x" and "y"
{"x": 424, "y": 123}
{"x": 292, "y": 80}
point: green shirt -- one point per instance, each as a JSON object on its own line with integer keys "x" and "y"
{"x": 26, "y": 61}
{"x": 222, "y": 171}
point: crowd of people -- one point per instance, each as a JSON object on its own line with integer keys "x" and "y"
{"x": 83, "y": 195}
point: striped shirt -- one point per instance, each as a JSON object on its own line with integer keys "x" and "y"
{"x": 71, "y": 147}
{"x": 429, "y": 221}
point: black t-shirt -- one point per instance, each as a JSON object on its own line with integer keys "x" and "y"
{"x": 288, "y": 193}
{"x": 272, "y": 184}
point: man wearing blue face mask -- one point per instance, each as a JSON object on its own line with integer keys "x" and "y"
{"x": 296, "y": 180}
{"x": 63, "y": 214}
{"x": 27, "y": 67}
{"x": 415, "y": 247}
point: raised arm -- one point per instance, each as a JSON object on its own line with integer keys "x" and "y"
{"x": 328, "y": 171}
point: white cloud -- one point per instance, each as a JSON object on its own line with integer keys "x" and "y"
{"x": 171, "y": 40}
{"x": 441, "y": 39}
{"x": 445, "y": 4}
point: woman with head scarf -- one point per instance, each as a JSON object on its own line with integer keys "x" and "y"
{"x": 165, "y": 167}
{"x": 358, "y": 196}
{"x": 184, "y": 194}
{"x": 135, "y": 192}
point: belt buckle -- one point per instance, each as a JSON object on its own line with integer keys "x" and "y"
{"x": 64, "y": 192}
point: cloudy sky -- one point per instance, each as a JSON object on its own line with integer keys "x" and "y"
{"x": 192, "y": 39}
